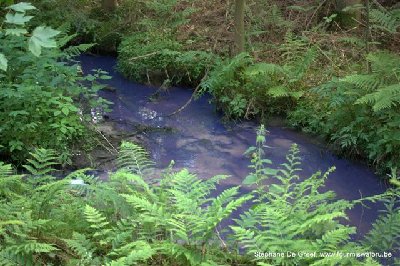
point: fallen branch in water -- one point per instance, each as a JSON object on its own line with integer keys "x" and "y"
{"x": 191, "y": 97}
{"x": 113, "y": 150}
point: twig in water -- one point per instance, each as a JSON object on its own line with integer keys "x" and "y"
{"x": 191, "y": 97}
{"x": 220, "y": 238}
{"x": 108, "y": 142}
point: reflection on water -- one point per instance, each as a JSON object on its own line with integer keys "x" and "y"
{"x": 207, "y": 147}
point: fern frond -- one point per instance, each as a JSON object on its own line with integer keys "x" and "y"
{"x": 132, "y": 253}
{"x": 5, "y": 170}
{"x": 76, "y": 50}
{"x": 185, "y": 254}
{"x": 365, "y": 82}
{"x": 263, "y": 68}
{"x": 221, "y": 207}
{"x": 353, "y": 41}
{"x": 80, "y": 245}
{"x": 42, "y": 162}
{"x": 95, "y": 218}
{"x": 150, "y": 211}
{"x": 134, "y": 158}
{"x": 386, "y": 21}
{"x": 279, "y": 91}
{"x": 385, "y": 232}
{"x": 383, "y": 98}
{"x": 333, "y": 238}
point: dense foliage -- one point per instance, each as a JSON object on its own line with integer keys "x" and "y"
{"x": 244, "y": 88}
{"x": 43, "y": 94}
{"x": 157, "y": 58}
{"x": 360, "y": 112}
{"x": 134, "y": 219}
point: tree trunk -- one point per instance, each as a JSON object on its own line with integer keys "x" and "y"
{"x": 367, "y": 33}
{"x": 109, "y": 5}
{"x": 239, "y": 26}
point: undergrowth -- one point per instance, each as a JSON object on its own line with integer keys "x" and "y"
{"x": 44, "y": 98}
{"x": 134, "y": 219}
{"x": 159, "y": 59}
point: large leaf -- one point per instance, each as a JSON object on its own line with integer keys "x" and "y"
{"x": 21, "y": 7}
{"x": 3, "y": 62}
{"x": 42, "y": 37}
{"x": 17, "y": 18}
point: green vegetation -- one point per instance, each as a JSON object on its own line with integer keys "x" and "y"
{"x": 134, "y": 219}
{"x": 244, "y": 88}
{"x": 329, "y": 68}
{"x": 360, "y": 112}
{"x": 42, "y": 92}
{"x": 154, "y": 58}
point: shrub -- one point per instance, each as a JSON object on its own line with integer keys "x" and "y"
{"x": 159, "y": 59}
{"x": 40, "y": 88}
{"x": 359, "y": 113}
{"x": 243, "y": 88}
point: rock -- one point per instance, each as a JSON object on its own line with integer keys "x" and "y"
{"x": 109, "y": 88}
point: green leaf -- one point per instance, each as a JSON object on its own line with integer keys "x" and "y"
{"x": 42, "y": 37}
{"x": 16, "y": 32}
{"x": 276, "y": 189}
{"x": 250, "y": 180}
{"x": 3, "y": 62}
{"x": 21, "y": 7}
{"x": 34, "y": 47}
{"x": 65, "y": 110}
{"x": 17, "y": 18}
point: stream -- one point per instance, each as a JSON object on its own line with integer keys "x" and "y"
{"x": 200, "y": 142}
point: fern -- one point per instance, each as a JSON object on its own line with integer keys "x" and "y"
{"x": 134, "y": 158}
{"x": 42, "y": 162}
{"x": 10, "y": 185}
{"x": 387, "y": 21}
{"x": 132, "y": 253}
{"x": 81, "y": 246}
{"x": 365, "y": 82}
{"x": 381, "y": 89}
{"x": 243, "y": 88}
{"x": 73, "y": 51}
{"x": 5, "y": 169}
{"x": 384, "y": 98}
{"x": 349, "y": 106}
{"x": 180, "y": 219}
{"x": 385, "y": 232}
{"x": 293, "y": 215}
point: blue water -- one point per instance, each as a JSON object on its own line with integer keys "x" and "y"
{"x": 206, "y": 146}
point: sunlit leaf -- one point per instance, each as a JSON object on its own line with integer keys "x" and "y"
{"x": 250, "y": 180}
{"x": 17, "y": 18}
{"x": 16, "y": 32}
{"x": 42, "y": 37}
{"x": 21, "y": 7}
{"x": 3, "y": 62}
{"x": 34, "y": 47}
